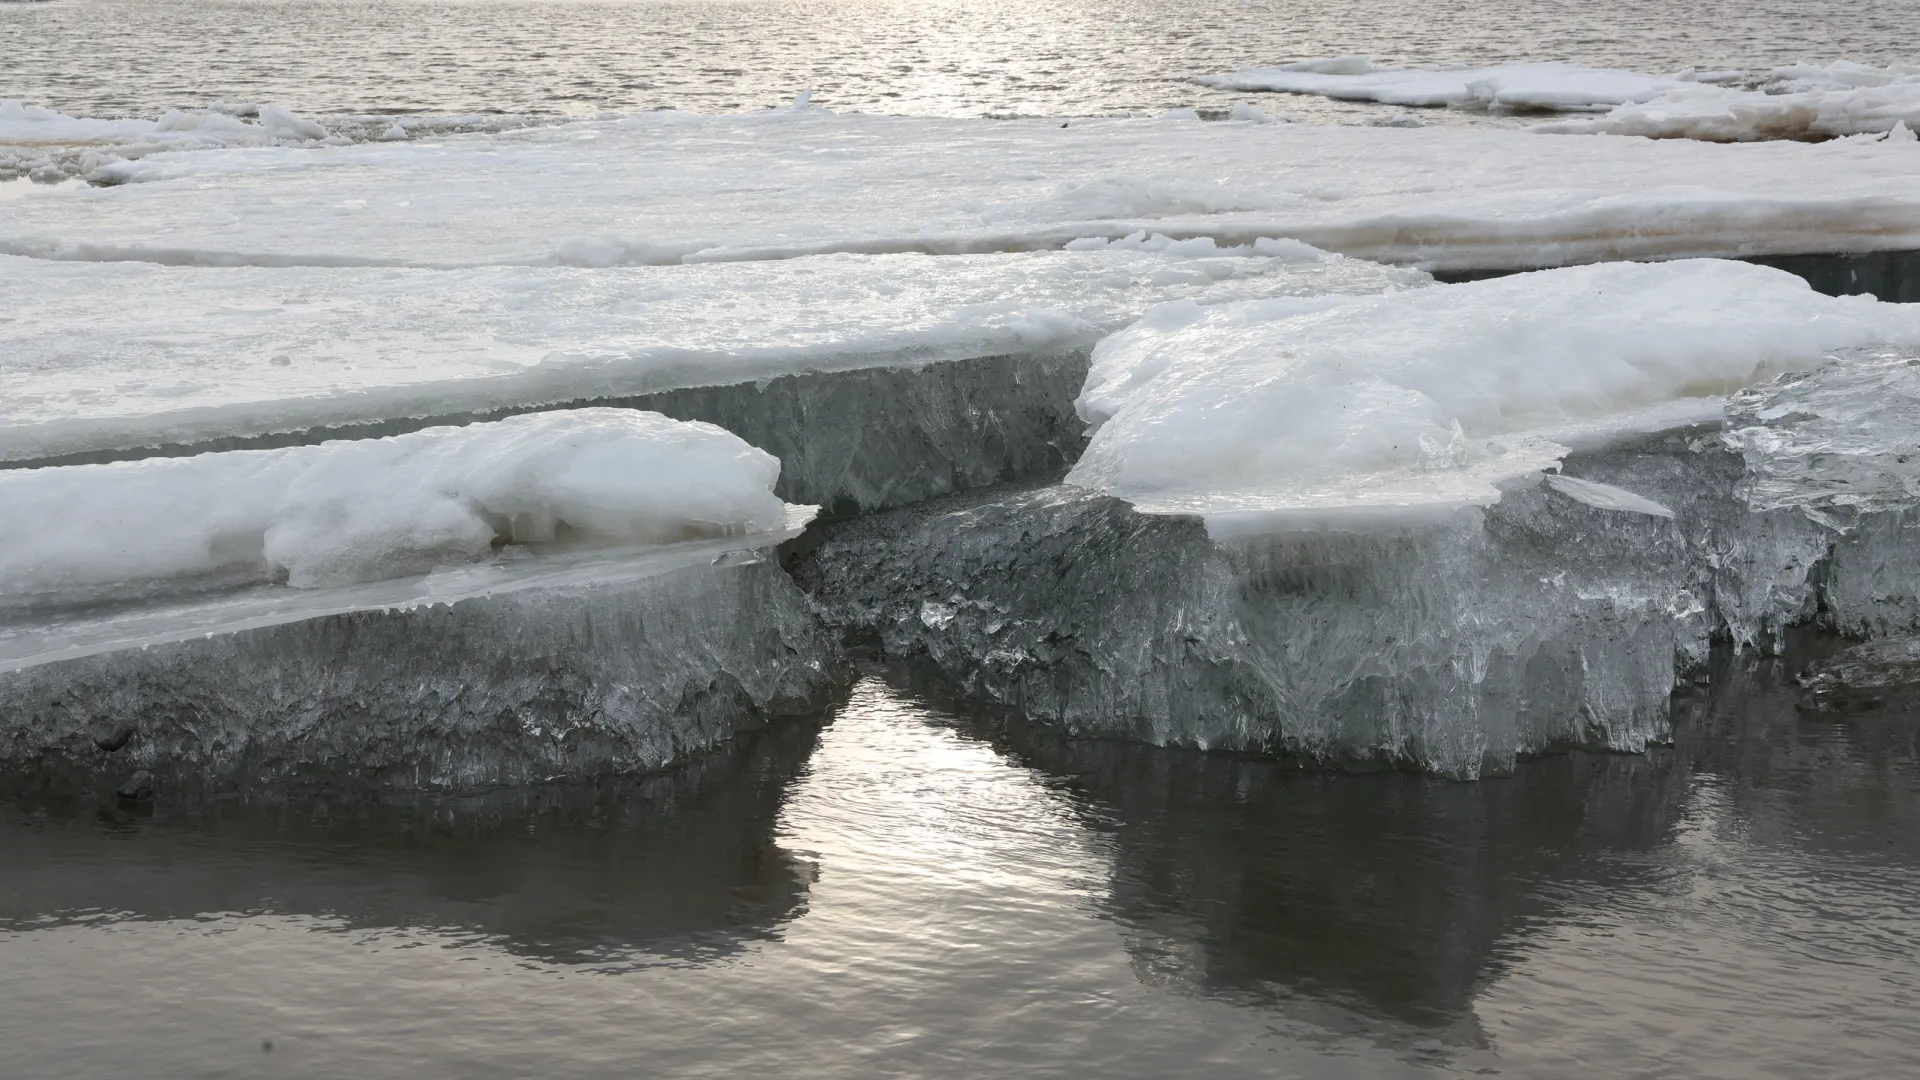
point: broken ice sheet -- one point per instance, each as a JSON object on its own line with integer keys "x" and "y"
{"x": 181, "y": 355}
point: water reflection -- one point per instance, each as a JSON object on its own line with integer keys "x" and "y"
{"x": 1374, "y": 904}
{"x": 678, "y": 867}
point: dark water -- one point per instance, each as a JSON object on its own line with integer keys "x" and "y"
{"x": 910, "y": 892}
{"x": 921, "y": 57}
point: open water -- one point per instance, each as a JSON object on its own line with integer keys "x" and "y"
{"x": 921, "y": 57}
{"x": 910, "y": 891}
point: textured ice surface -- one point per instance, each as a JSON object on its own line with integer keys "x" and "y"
{"x": 349, "y": 511}
{"x": 1560, "y": 615}
{"x": 522, "y": 670}
{"x": 1451, "y": 646}
{"x": 663, "y": 187}
{"x": 1794, "y": 103}
{"x": 1547, "y": 86}
{"x": 184, "y": 355}
{"x": 1835, "y": 455}
{"x": 1422, "y": 401}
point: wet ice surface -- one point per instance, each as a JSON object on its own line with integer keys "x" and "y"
{"x": 919, "y": 893}
{"x": 1055, "y": 57}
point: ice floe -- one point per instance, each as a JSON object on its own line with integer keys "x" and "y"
{"x": 118, "y": 356}
{"x": 350, "y": 511}
{"x": 670, "y": 188}
{"x": 1298, "y": 409}
{"x": 1547, "y": 86}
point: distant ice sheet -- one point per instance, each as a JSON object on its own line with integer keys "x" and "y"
{"x": 345, "y": 512}
{"x": 1416, "y": 403}
{"x": 671, "y": 187}
{"x": 1800, "y": 102}
{"x": 111, "y": 356}
{"x": 1548, "y": 86}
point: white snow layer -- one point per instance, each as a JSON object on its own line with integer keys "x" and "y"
{"x": 1545, "y": 86}
{"x": 1284, "y": 412}
{"x": 1802, "y": 102}
{"x": 342, "y": 512}
{"x": 112, "y": 356}
{"x": 673, "y": 187}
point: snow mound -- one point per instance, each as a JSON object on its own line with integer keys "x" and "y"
{"x": 1802, "y": 102}
{"x": 1547, "y": 86}
{"x": 342, "y": 512}
{"x": 1290, "y": 411}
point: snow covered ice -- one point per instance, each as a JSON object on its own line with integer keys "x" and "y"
{"x": 1496, "y": 622}
{"x": 631, "y": 617}
{"x": 1427, "y": 400}
{"x": 349, "y": 511}
{"x": 1545, "y": 86}
{"x": 670, "y": 188}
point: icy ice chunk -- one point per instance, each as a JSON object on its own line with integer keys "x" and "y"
{"x": 1410, "y": 403}
{"x": 1452, "y": 645}
{"x": 1549, "y": 85}
{"x": 351, "y": 511}
{"x": 566, "y": 666}
{"x": 678, "y": 187}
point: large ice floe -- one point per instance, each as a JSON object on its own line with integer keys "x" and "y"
{"x": 562, "y": 593}
{"x": 1548, "y": 86}
{"x": 1476, "y": 614}
{"x": 877, "y": 379}
{"x": 673, "y": 188}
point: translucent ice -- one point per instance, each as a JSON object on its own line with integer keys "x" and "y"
{"x": 512, "y": 673}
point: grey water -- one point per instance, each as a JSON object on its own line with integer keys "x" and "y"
{"x": 920, "y": 57}
{"x": 912, "y": 890}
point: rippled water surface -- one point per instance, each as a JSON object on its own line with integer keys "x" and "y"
{"x": 928, "y": 57}
{"x": 908, "y": 892}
